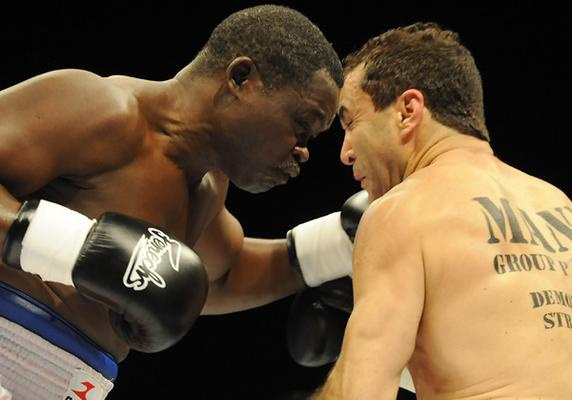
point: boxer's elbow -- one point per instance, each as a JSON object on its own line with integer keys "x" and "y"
{"x": 218, "y": 298}
{"x": 225, "y": 296}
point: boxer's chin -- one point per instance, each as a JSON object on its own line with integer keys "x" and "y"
{"x": 262, "y": 183}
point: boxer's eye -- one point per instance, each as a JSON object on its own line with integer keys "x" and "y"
{"x": 346, "y": 124}
{"x": 345, "y": 121}
{"x": 303, "y": 125}
{"x": 304, "y": 133}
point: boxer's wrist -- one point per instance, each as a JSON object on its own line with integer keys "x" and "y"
{"x": 53, "y": 237}
{"x": 293, "y": 256}
{"x": 14, "y": 234}
{"x": 320, "y": 250}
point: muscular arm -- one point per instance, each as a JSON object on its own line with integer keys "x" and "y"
{"x": 63, "y": 123}
{"x": 244, "y": 272}
{"x": 388, "y": 301}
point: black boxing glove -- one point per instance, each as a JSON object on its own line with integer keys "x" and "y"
{"x": 315, "y": 331}
{"x": 338, "y": 294}
{"x": 317, "y": 321}
{"x": 321, "y": 249}
{"x": 154, "y": 285}
{"x": 352, "y": 210}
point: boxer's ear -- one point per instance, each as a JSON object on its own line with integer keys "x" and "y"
{"x": 410, "y": 105}
{"x": 242, "y": 74}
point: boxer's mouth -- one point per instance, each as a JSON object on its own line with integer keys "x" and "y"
{"x": 290, "y": 168}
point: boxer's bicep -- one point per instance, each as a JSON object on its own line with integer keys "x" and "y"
{"x": 220, "y": 243}
{"x": 62, "y": 122}
{"x": 24, "y": 168}
{"x": 389, "y": 295}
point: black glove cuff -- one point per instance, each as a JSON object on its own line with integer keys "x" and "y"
{"x": 292, "y": 255}
{"x": 12, "y": 248}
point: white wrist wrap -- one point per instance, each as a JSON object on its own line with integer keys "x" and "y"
{"x": 406, "y": 381}
{"x": 52, "y": 242}
{"x": 324, "y": 250}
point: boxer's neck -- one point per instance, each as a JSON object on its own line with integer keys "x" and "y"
{"x": 182, "y": 115}
{"x": 437, "y": 144}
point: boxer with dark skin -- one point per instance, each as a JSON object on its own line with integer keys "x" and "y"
{"x": 164, "y": 152}
{"x": 462, "y": 263}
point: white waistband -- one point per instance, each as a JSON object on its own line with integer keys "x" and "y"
{"x": 33, "y": 368}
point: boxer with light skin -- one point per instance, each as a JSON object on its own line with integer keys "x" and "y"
{"x": 112, "y": 189}
{"x": 461, "y": 262}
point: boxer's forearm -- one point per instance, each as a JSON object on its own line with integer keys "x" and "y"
{"x": 347, "y": 383}
{"x": 260, "y": 275}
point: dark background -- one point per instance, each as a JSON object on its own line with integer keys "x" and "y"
{"x": 519, "y": 47}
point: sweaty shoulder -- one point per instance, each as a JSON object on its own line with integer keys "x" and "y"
{"x": 70, "y": 122}
{"x": 396, "y": 213}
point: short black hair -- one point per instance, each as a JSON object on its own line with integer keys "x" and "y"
{"x": 285, "y": 45}
{"x": 431, "y": 59}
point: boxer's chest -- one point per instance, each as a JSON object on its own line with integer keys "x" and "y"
{"x": 155, "y": 192}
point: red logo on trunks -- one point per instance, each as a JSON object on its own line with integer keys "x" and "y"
{"x": 83, "y": 394}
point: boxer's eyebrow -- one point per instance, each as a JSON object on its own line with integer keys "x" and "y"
{"x": 316, "y": 121}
